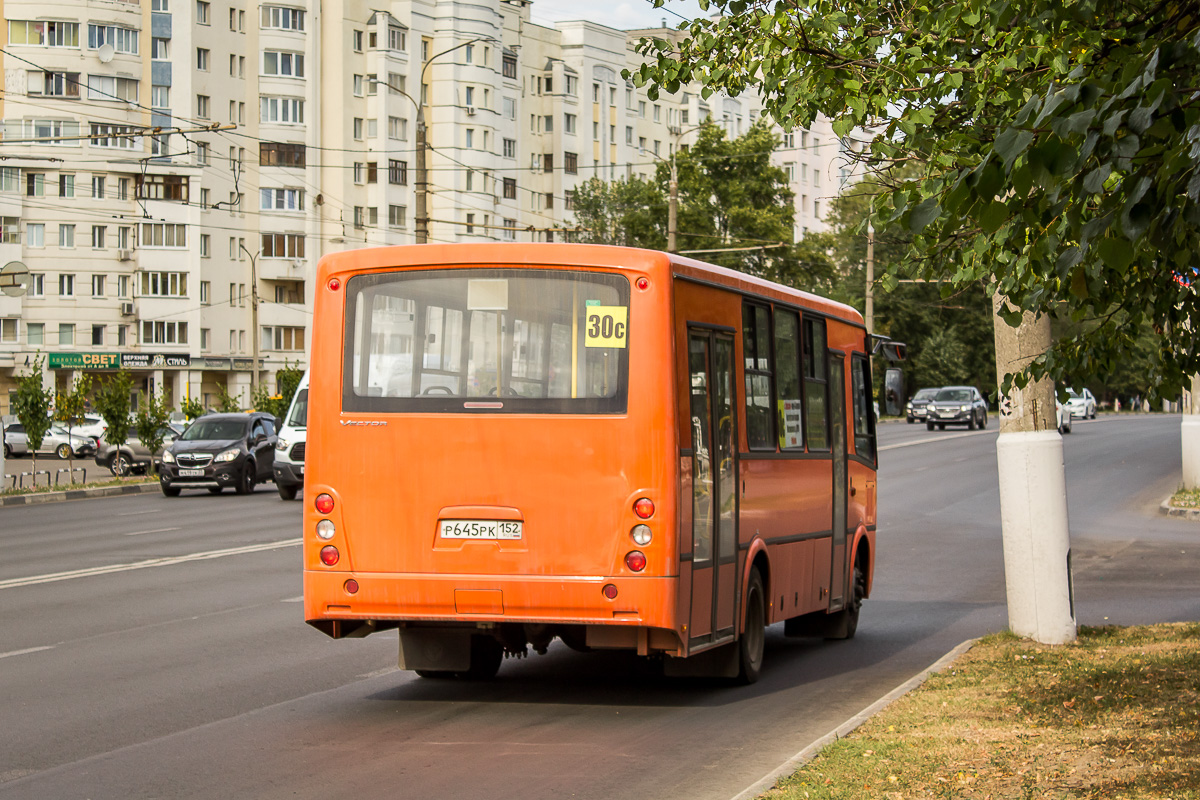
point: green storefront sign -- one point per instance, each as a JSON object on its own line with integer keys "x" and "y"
{"x": 85, "y": 361}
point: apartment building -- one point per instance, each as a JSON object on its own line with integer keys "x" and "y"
{"x": 174, "y": 169}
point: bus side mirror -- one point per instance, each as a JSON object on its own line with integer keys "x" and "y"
{"x": 891, "y": 350}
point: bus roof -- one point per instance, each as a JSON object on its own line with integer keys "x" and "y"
{"x": 594, "y": 255}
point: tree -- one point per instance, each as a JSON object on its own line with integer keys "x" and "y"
{"x": 286, "y": 381}
{"x": 152, "y": 415}
{"x": 1051, "y": 146}
{"x": 226, "y": 403}
{"x": 32, "y": 405}
{"x": 630, "y": 212}
{"x": 112, "y": 401}
{"x": 191, "y": 408}
{"x": 69, "y": 408}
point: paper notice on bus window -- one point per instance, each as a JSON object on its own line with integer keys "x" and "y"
{"x": 606, "y": 326}
{"x": 790, "y": 415}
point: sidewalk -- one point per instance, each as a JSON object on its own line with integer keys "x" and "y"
{"x": 77, "y": 493}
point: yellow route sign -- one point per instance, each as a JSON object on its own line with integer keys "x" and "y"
{"x": 606, "y": 326}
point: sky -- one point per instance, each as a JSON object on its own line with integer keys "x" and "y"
{"x": 620, "y": 14}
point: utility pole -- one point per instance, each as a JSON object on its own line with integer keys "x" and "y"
{"x": 1033, "y": 490}
{"x": 870, "y": 304}
{"x": 672, "y": 205}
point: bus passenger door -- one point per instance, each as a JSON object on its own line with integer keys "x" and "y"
{"x": 837, "y": 418}
{"x": 714, "y": 491}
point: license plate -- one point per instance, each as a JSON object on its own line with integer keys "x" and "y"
{"x": 191, "y": 473}
{"x": 480, "y": 529}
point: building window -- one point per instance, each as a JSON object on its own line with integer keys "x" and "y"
{"x": 66, "y": 236}
{"x": 282, "y": 199}
{"x": 53, "y": 84}
{"x": 35, "y": 184}
{"x": 510, "y": 229}
{"x": 10, "y": 230}
{"x": 283, "y": 110}
{"x": 509, "y": 65}
{"x": 173, "y": 188}
{"x": 164, "y": 332}
{"x": 510, "y": 148}
{"x": 35, "y": 333}
{"x": 276, "y": 62}
{"x": 163, "y": 234}
{"x": 571, "y": 163}
{"x": 8, "y": 331}
{"x": 124, "y": 137}
{"x": 105, "y": 87}
{"x": 37, "y": 285}
{"x": 281, "y": 18}
{"x": 397, "y": 216}
{"x": 66, "y": 285}
{"x": 283, "y": 245}
{"x": 66, "y": 333}
{"x": 202, "y": 59}
{"x": 123, "y": 40}
{"x": 97, "y": 334}
{"x": 202, "y": 12}
{"x": 205, "y": 244}
{"x": 98, "y": 235}
{"x": 160, "y": 96}
{"x": 10, "y": 179}
{"x": 278, "y": 154}
{"x": 470, "y": 223}
{"x": 398, "y": 128}
{"x": 164, "y": 284}
{"x": 398, "y": 172}
{"x": 397, "y": 40}
{"x": 282, "y": 338}
{"x": 205, "y": 289}
{"x": 66, "y": 185}
{"x": 35, "y": 234}
{"x": 46, "y": 34}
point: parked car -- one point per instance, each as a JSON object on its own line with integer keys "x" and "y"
{"x": 917, "y": 408}
{"x": 57, "y": 441}
{"x": 1082, "y": 405}
{"x": 219, "y": 450}
{"x": 289, "y": 449}
{"x": 92, "y": 425}
{"x": 1064, "y": 417}
{"x": 133, "y": 456}
{"x": 957, "y": 405}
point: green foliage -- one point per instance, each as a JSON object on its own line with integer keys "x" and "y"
{"x": 1052, "y": 146}
{"x": 69, "y": 406}
{"x": 152, "y": 415}
{"x": 286, "y": 381}
{"x": 32, "y": 405}
{"x": 630, "y": 212}
{"x": 226, "y": 403}
{"x": 112, "y": 401}
{"x": 191, "y": 408}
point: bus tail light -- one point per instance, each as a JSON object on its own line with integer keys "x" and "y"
{"x": 641, "y": 535}
{"x": 634, "y": 559}
{"x": 610, "y": 591}
{"x": 324, "y": 503}
{"x": 329, "y": 555}
{"x": 325, "y": 529}
{"x": 644, "y": 508}
{"x": 351, "y": 586}
{"x": 334, "y": 284}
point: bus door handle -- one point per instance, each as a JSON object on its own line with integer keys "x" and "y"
{"x": 853, "y": 491}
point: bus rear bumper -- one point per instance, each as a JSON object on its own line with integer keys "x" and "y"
{"x": 384, "y": 599}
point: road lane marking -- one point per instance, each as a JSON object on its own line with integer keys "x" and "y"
{"x": 156, "y": 530}
{"x": 26, "y": 651}
{"x": 32, "y": 580}
{"x": 135, "y": 513}
{"x": 943, "y": 438}
{"x": 299, "y": 599}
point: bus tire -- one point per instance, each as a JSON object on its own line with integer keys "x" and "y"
{"x": 845, "y": 623}
{"x": 753, "y": 639}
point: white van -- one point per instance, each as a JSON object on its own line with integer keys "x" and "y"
{"x": 289, "y": 450}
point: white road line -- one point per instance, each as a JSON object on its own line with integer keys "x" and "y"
{"x": 156, "y": 530}
{"x": 25, "y": 651}
{"x": 32, "y": 580}
{"x": 299, "y": 599}
{"x": 942, "y": 438}
{"x": 135, "y": 513}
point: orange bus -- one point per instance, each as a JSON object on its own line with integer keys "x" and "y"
{"x": 620, "y": 448}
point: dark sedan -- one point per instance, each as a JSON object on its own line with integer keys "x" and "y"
{"x": 957, "y": 405}
{"x": 917, "y": 407}
{"x": 220, "y": 450}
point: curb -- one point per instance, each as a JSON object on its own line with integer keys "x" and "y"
{"x": 1176, "y": 511}
{"x": 794, "y": 763}
{"x": 76, "y": 494}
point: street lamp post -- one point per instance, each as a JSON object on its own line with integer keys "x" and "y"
{"x": 422, "y": 177}
{"x": 254, "y": 334}
{"x": 672, "y": 185}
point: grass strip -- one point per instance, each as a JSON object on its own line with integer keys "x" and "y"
{"x": 1115, "y": 715}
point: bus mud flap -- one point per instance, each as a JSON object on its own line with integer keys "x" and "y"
{"x": 719, "y": 662}
{"x": 443, "y": 651}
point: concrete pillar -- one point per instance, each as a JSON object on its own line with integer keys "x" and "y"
{"x": 1033, "y": 492}
{"x": 1189, "y": 435}
{"x": 239, "y": 388}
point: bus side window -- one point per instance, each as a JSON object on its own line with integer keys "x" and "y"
{"x": 864, "y": 422}
{"x": 816, "y": 381}
{"x": 790, "y": 413}
{"x": 756, "y": 347}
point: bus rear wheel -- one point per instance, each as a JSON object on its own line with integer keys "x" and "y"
{"x": 753, "y": 641}
{"x": 846, "y": 624}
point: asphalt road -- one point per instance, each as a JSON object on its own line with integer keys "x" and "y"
{"x": 154, "y": 648}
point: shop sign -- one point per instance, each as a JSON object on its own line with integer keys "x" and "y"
{"x": 84, "y": 360}
{"x": 215, "y": 363}
{"x": 155, "y": 360}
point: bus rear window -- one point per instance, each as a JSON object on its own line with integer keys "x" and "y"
{"x": 498, "y": 340}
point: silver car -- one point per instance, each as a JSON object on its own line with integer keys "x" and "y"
{"x": 58, "y": 440}
{"x": 133, "y": 456}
